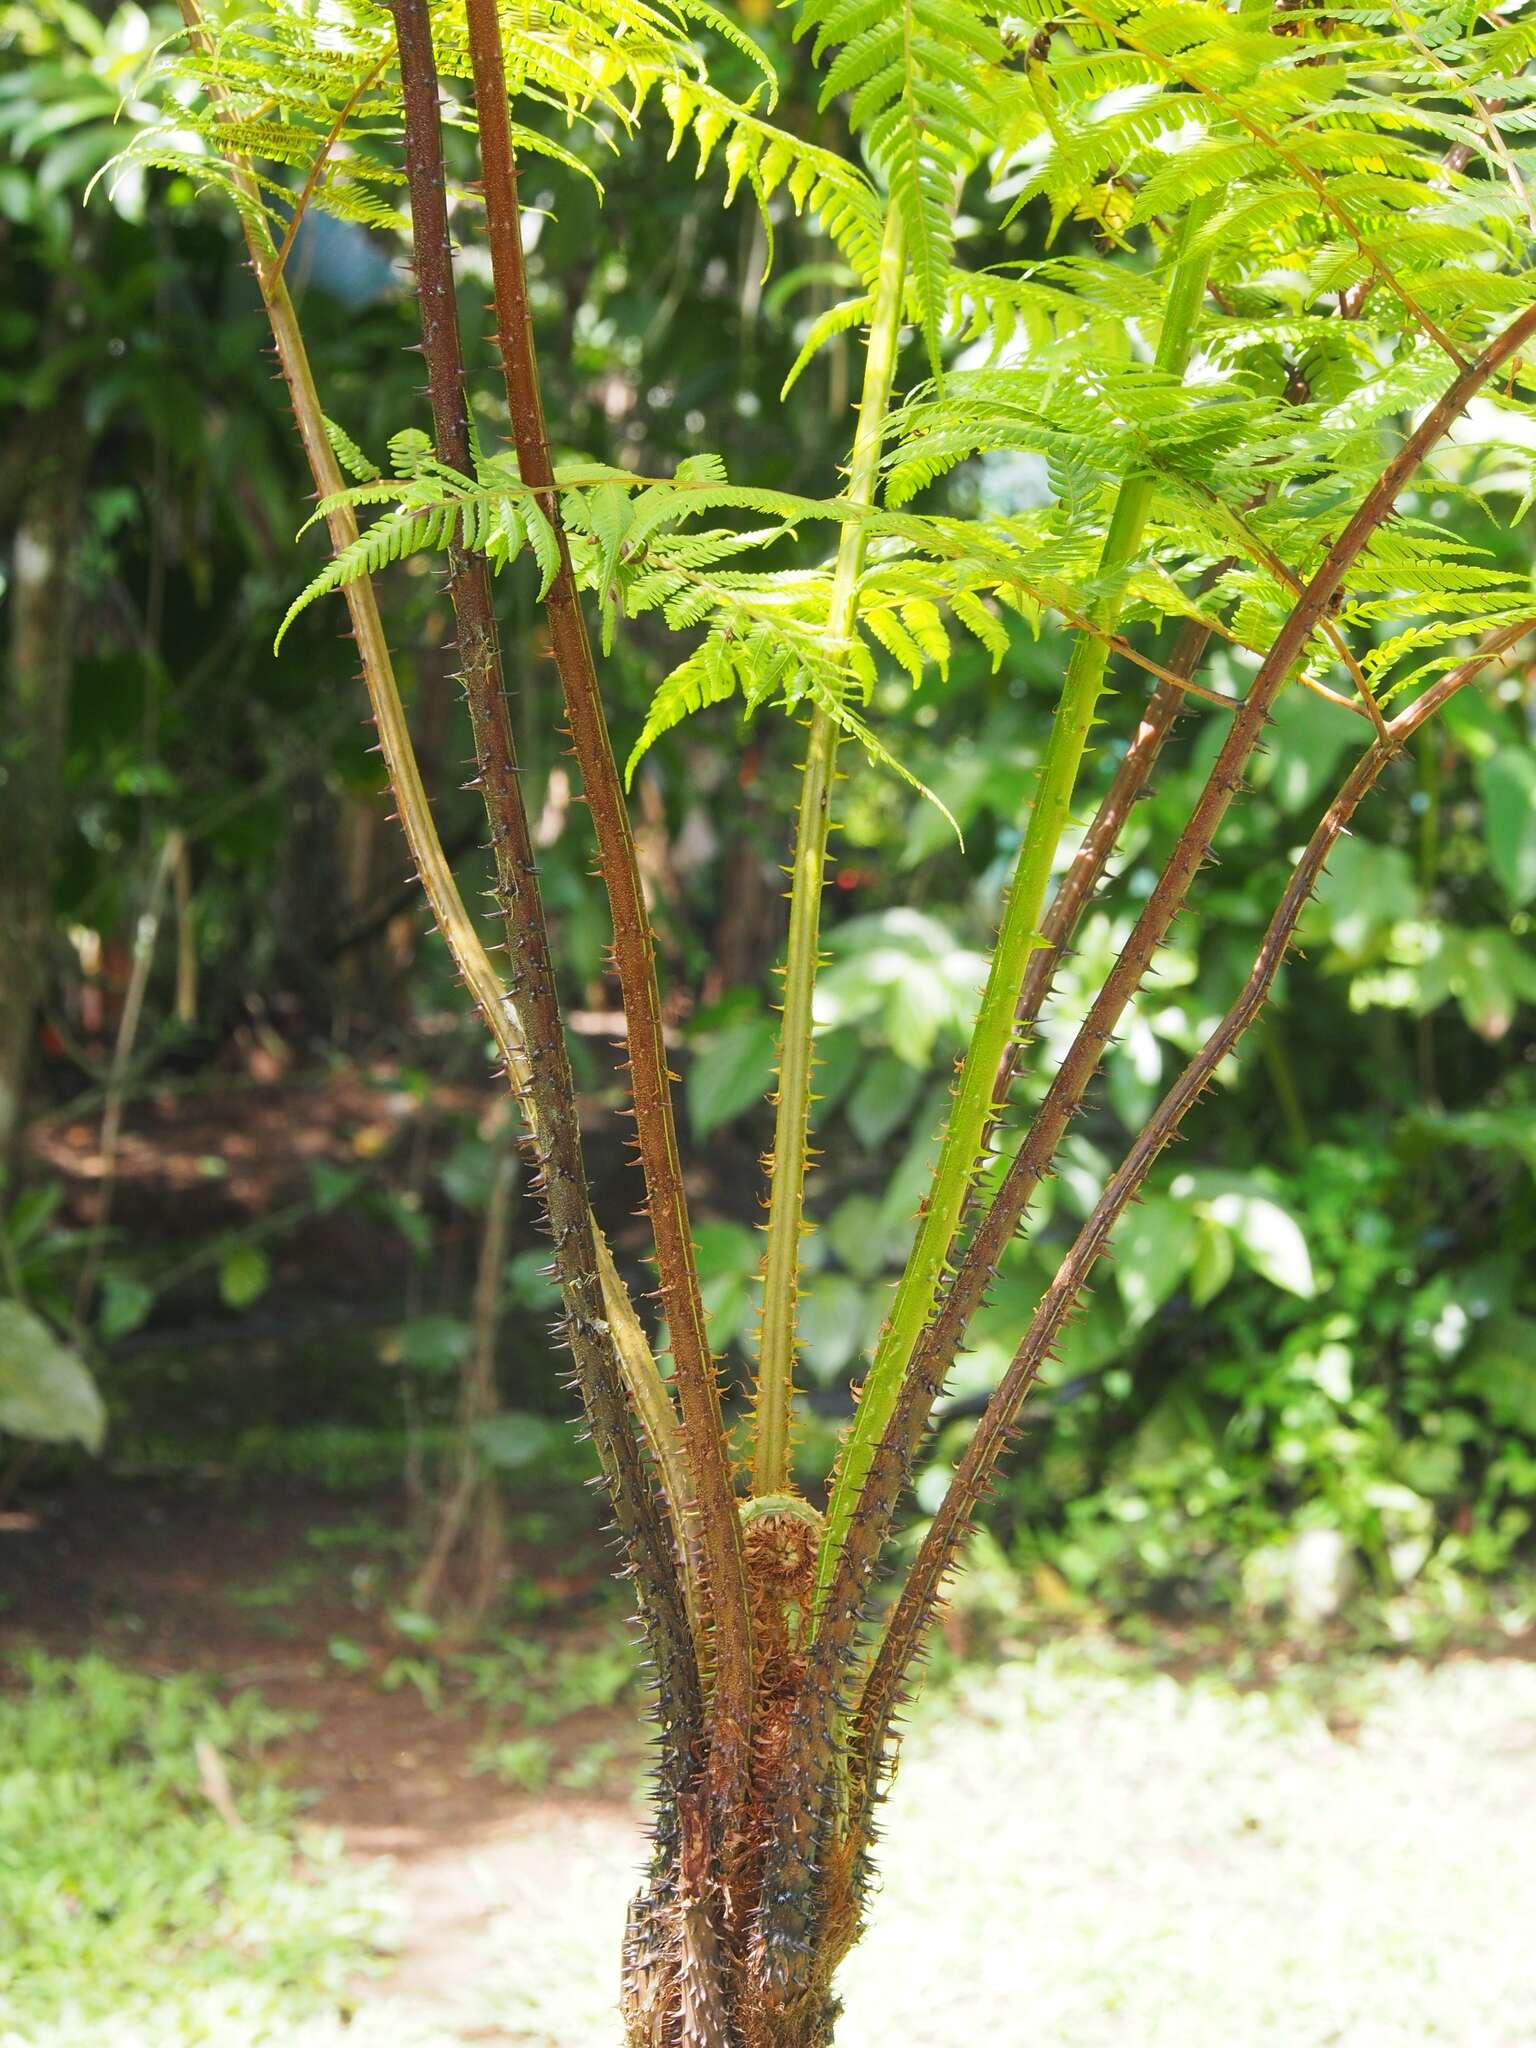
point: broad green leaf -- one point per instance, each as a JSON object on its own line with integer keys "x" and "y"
{"x": 1213, "y": 1264}
{"x": 728, "y": 1255}
{"x": 732, "y": 1072}
{"x": 729, "y": 1299}
{"x": 1489, "y": 973}
{"x": 332, "y": 1185}
{"x": 909, "y": 1183}
{"x": 722, "y": 1247}
{"x": 917, "y": 1008}
{"x": 1268, "y": 1239}
{"x": 1307, "y": 740}
{"x": 833, "y": 1312}
{"x": 530, "y": 1282}
{"x": 1430, "y": 1466}
{"x": 1486, "y": 1130}
{"x": 432, "y": 1343}
{"x": 1503, "y": 1373}
{"x": 46, "y": 1390}
{"x": 841, "y": 1062}
{"x": 1153, "y": 1250}
{"x": 125, "y": 1303}
{"x": 1507, "y": 782}
{"x": 885, "y": 1093}
{"x": 1265, "y": 1236}
{"x": 469, "y": 1172}
{"x": 856, "y": 1234}
{"x": 513, "y": 1440}
{"x": 1133, "y": 1069}
{"x": 1366, "y": 889}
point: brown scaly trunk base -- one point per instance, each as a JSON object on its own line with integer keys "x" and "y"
{"x": 662, "y": 2006}
{"x": 680, "y": 1988}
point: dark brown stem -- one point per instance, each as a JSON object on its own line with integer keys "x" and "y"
{"x": 940, "y": 1547}
{"x": 796, "y": 1846}
{"x": 553, "y": 1118}
{"x": 634, "y": 950}
{"x": 642, "y": 1525}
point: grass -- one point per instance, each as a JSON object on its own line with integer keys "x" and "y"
{"x": 131, "y": 1912}
{"x": 1079, "y": 1853}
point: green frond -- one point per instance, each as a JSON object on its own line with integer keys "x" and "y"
{"x": 839, "y": 319}
{"x": 406, "y": 531}
{"x": 920, "y": 80}
{"x": 349, "y": 455}
{"x": 708, "y": 676}
{"x": 816, "y": 181}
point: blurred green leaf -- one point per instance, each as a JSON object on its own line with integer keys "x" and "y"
{"x": 856, "y": 1234}
{"x": 1507, "y": 782}
{"x": 46, "y": 1390}
{"x": 885, "y": 1093}
{"x": 432, "y": 1343}
{"x": 125, "y": 1303}
{"x": 1264, "y": 1235}
{"x": 244, "y": 1275}
{"x": 1502, "y": 1373}
{"x": 512, "y": 1440}
{"x": 1365, "y": 890}
{"x": 732, "y": 1072}
{"x": 833, "y": 1313}
{"x": 1153, "y": 1250}
{"x": 1213, "y": 1264}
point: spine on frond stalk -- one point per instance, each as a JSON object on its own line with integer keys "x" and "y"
{"x": 716, "y": 1532}
{"x": 789, "y": 1158}
{"x": 938, "y": 1554}
{"x": 1017, "y": 938}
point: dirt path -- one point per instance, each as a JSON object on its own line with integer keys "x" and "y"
{"x": 1090, "y": 1862}
{"x": 1073, "y": 1857}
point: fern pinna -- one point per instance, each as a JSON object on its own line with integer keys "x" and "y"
{"x": 1284, "y": 254}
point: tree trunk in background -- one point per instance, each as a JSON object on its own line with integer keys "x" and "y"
{"x": 49, "y": 466}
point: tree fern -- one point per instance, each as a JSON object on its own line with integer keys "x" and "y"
{"x": 1285, "y": 250}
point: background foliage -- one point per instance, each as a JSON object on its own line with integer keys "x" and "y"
{"x": 1310, "y": 1366}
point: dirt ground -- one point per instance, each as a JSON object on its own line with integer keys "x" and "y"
{"x": 1072, "y": 1855}
{"x": 485, "y": 1872}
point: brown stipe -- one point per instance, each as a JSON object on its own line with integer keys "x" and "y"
{"x": 939, "y": 1551}
{"x": 798, "y": 1848}
{"x": 553, "y": 1119}
{"x": 728, "y": 1650}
